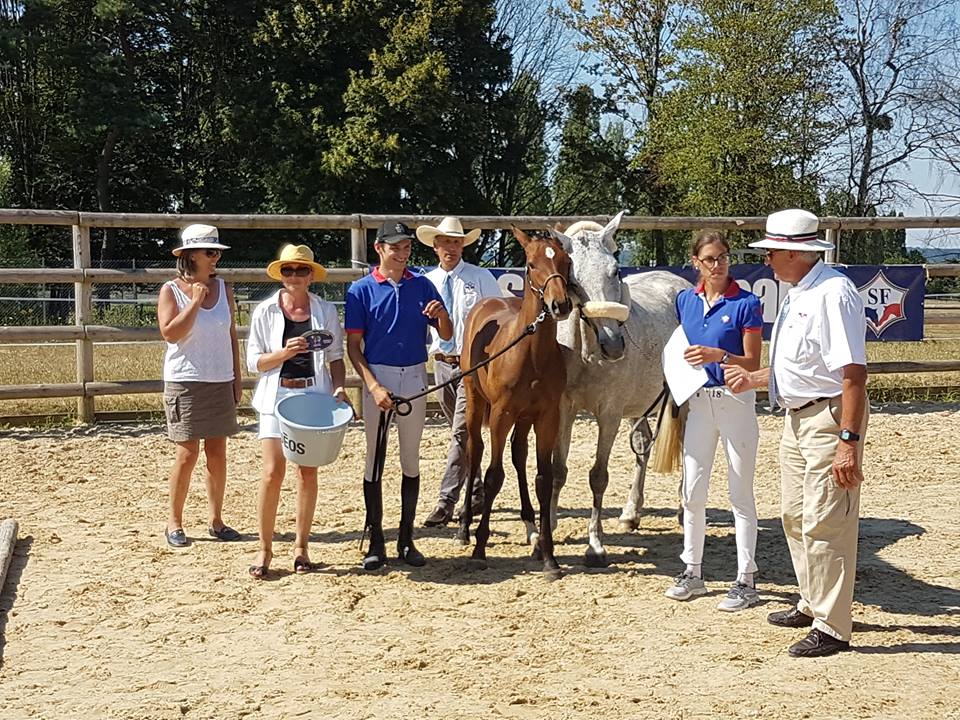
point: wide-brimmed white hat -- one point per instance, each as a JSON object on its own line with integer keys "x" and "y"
{"x": 199, "y": 237}
{"x": 450, "y": 227}
{"x": 793, "y": 230}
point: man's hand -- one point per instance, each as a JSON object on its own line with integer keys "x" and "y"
{"x": 698, "y": 355}
{"x": 381, "y": 396}
{"x": 434, "y": 309}
{"x": 846, "y": 465}
{"x": 738, "y": 379}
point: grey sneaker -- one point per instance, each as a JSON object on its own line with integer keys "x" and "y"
{"x": 685, "y": 587}
{"x": 739, "y": 597}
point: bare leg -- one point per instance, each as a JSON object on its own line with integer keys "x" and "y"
{"x": 519, "y": 443}
{"x": 184, "y": 462}
{"x": 306, "y": 506}
{"x": 215, "y": 450}
{"x": 268, "y": 497}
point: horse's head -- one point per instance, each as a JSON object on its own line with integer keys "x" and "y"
{"x": 596, "y": 286}
{"x": 547, "y": 271}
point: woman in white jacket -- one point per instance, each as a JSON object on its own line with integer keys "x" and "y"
{"x": 278, "y": 351}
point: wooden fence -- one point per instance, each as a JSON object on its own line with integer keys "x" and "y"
{"x": 84, "y": 276}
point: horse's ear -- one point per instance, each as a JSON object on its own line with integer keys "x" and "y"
{"x": 565, "y": 242}
{"x": 520, "y": 235}
{"x": 610, "y": 230}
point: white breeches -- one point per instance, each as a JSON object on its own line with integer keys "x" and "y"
{"x": 403, "y": 381}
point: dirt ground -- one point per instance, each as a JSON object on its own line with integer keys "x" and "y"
{"x": 100, "y": 619}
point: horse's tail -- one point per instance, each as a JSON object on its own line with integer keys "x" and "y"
{"x": 668, "y": 445}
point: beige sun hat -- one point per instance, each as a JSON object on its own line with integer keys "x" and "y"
{"x": 299, "y": 255}
{"x": 199, "y": 237}
{"x": 793, "y": 230}
{"x": 450, "y": 227}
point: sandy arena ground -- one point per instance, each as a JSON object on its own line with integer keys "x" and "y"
{"x": 100, "y": 619}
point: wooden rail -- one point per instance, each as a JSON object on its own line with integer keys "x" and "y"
{"x": 83, "y": 276}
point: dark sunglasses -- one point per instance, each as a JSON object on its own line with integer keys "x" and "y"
{"x": 212, "y": 252}
{"x": 299, "y": 270}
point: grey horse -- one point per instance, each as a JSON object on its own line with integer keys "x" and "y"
{"x": 613, "y": 363}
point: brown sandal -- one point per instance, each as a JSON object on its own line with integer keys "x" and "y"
{"x": 258, "y": 572}
{"x": 302, "y": 566}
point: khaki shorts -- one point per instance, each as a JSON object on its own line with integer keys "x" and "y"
{"x": 199, "y": 410}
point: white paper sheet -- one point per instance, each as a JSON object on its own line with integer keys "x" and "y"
{"x": 683, "y": 378}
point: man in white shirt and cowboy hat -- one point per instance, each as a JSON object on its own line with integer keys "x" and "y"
{"x": 818, "y": 373}
{"x": 461, "y": 285}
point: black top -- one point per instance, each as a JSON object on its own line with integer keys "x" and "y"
{"x": 301, "y": 364}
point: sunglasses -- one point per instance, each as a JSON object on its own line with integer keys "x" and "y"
{"x": 299, "y": 270}
{"x": 212, "y": 252}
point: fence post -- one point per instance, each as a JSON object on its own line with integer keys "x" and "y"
{"x": 82, "y": 292}
{"x": 832, "y": 236}
{"x": 358, "y": 259}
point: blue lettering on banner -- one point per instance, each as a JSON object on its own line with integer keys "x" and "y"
{"x": 893, "y": 295}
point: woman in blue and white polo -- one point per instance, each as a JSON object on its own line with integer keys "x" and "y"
{"x": 278, "y": 351}
{"x": 722, "y": 322}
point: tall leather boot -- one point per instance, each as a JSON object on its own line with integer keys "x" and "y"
{"x": 377, "y": 551}
{"x": 406, "y": 551}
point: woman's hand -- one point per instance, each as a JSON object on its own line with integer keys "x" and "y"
{"x": 199, "y": 292}
{"x": 295, "y": 346}
{"x": 698, "y": 355}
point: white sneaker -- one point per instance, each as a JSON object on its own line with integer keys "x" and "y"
{"x": 685, "y": 587}
{"x": 739, "y": 597}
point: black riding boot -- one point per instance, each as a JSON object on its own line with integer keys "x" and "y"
{"x": 406, "y": 551}
{"x": 373, "y": 500}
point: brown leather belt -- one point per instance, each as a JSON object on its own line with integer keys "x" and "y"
{"x": 297, "y": 382}
{"x": 809, "y": 404}
{"x": 448, "y": 359}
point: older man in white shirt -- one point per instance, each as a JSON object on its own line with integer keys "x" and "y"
{"x": 818, "y": 373}
{"x": 461, "y": 285}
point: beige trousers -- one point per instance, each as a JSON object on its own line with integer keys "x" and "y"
{"x": 820, "y": 519}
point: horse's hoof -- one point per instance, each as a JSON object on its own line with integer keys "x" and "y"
{"x": 478, "y": 563}
{"x": 596, "y": 560}
{"x": 552, "y": 574}
{"x": 628, "y": 526}
{"x": 464, "y": 537}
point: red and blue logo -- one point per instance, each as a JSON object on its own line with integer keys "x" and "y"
{"x": 883, "y": 303}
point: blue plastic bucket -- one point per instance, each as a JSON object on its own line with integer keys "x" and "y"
{"x": 312, "y": 427}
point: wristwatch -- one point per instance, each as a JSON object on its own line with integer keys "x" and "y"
{"x": 849, "y": 435}
{"x": 725, "y": 358}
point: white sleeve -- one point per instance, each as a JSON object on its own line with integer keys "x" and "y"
{"x": 489, "y": 287}
{"x": 843, "y": 329}
{"x": 331, "y": 322}
{"x": 257, "y": 339}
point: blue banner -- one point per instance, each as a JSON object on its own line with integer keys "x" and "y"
{"x": 893, "y": 295}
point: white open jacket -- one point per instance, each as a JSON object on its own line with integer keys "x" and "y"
{"x": 266, "y": 335}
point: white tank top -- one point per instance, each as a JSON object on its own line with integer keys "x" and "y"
{"x": 204, "y": 355}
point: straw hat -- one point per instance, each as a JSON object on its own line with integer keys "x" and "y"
{"x": 450, "y": 227}
{"x": 793, "y": 230}
{"x": 298, "y": 255}
{"x": 199, "y": 237}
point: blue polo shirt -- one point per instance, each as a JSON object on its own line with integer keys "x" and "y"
{"x": 722, "y": 326}
{"x": 390, "y": 317}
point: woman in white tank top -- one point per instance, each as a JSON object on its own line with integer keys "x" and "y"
{"x": 201, "y": 375}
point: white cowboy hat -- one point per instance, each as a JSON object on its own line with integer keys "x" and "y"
{"x": 792, "y": 230}
{"x": 199, "y": 237}
{"x": 449, "y": 226}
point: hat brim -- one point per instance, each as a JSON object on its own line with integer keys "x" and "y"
{"x": 273, "y": 269}
{"x": 804, "y": 246}
{"x": 200, "y": 246}
{"x": 427, "y": 234}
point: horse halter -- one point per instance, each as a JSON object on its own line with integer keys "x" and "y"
{"x": 543, "y": 288}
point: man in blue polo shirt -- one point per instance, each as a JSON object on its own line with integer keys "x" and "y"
{"x": 388, "y": 313}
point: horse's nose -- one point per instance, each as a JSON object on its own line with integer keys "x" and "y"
{"x": 560, "y": 310}
{"x": 612, "y": 345}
